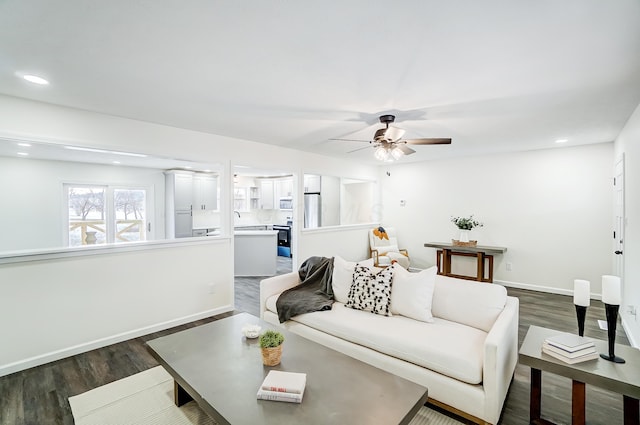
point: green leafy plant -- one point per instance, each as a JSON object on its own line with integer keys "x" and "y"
{"x": 466, "y": 223}
{"x": 271, "y": 339}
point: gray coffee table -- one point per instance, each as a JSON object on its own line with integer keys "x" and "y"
{"x": 221, "y": 370}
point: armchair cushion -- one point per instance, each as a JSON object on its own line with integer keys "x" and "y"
{"x": 383, "y": 249}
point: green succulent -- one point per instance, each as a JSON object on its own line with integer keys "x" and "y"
{"x": 271, "y": 339}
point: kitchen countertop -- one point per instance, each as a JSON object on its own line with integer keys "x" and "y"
{"x": 255, "y": 232}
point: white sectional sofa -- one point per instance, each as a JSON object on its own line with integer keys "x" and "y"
{"x": 465, "y": 356}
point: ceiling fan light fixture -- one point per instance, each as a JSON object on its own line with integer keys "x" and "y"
{"x": 397, "y": 153}
{"x": 381, "y": 153}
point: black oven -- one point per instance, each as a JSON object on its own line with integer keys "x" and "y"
{"x": 284, "y": 239}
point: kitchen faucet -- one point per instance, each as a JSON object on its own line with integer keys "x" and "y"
{"x": 237, "y": 212}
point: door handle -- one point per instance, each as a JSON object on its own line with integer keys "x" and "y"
{"x": 618, "y": 252}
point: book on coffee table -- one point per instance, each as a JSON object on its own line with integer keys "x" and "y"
{"x": 286, "y": 382}
{"x": 283, "y": 386}
{"x": 279, "y": 396}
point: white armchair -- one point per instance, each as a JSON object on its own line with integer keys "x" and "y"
{"x": 383, "y": 248}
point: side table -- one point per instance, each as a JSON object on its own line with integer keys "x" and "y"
{"x": 620, "y": 378}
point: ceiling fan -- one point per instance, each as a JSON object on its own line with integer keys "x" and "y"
{"x": 388, "y": 142}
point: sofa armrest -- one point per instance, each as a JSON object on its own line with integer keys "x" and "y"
{"x": 500, "y": 358}
{"x": 276, "y": 285}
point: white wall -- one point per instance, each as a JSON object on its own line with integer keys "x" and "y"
{"x": 32, "y": 193}
{"x": 551, "y": 208}
{"x": 53, "y": 294}
{"x": 55, "y": 308}
{"x": 350, "y": 243}
{"x": 628, "y": 144}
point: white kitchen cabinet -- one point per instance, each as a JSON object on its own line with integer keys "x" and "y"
{"x": 254, "y": 198}
{"x": 183, "y": 223}
{"x": 266, "y": 194}
{"x": 182, "y": 190}
{"x": 185, "y": 192}
{"x": 283, "y": 188}
{"x": 205, "y": 192}
{"x": 312, "y": 183}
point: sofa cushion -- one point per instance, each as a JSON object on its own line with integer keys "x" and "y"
{"x": 412, "y": 293}
{"x": 343, "y": 276}
{"x": 444, "y": 347}
{"x": 472, "y": 303}
{"x": 371, "y": 291}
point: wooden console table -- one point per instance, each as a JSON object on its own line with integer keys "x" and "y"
{"x": 482, "y": 253}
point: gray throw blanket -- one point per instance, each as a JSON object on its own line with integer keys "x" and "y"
{"x": 314, "y": 293}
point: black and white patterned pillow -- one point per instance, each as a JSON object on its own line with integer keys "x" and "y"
{"x": 371, "y": 291}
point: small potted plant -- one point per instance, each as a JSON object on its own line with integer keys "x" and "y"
{"x": 271, "y": 347}
{"x": 465, "y": 224}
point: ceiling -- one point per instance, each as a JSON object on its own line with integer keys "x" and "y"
{"x": 495, "y": 76}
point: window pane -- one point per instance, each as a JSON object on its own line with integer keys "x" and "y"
{"x": 86, "y": 215}
{"x": 129, "y": 206}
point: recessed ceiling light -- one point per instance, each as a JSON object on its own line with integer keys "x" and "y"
{"x": 35, "y": 79}
{"x": 188, "y": 167}
{"x": 23, "y": 154}
{"x": 562, "y": 140}
{"x": 25, "y": 145}
{"x": 116, "y": 162}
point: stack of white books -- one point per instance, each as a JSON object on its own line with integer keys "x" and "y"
{"x": 283, "y": 386}
{"x": 570, "y": 348}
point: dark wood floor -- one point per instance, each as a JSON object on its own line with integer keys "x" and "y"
{"x": 39, "y": 395}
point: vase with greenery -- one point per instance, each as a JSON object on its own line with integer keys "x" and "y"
{"x": 465, "y": 224}
{"x": 271, "y": 347}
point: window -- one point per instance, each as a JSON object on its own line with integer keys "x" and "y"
{"x": 99, "y": 214}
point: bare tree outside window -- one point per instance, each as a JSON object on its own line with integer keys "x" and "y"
{"x": 100, "y": 214}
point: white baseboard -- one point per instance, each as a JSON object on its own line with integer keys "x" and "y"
{"x": 537, "y": 288}
{"x": 103, "y": 342}
{"x": 633, "y": 341}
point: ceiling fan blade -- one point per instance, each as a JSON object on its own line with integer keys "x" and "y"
{"x": 359, "y": 149}
{"x": 432, "y": 141}
{"x": 394, "y": 134}
{"x": 351, "y": 140}
{"x": 405, "y": 149}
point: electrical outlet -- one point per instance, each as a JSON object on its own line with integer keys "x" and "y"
{"x": 631, "y": 309}
{"x": 509, "y": 267}
{"x": 403, "y": 202}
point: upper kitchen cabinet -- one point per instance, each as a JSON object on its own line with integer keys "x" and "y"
{"x": 266, "y": 194}
{"x": 283, "y": 188}
{"x": 205, "y": 192}
{"x": 312, "y": 183}
{"x": 186, "y": 192}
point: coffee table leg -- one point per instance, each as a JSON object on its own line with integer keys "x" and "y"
{"x": 180, "y": 396}
{"x": 631, "y": 410}
{"x": 578, "y": 395}
{"x": 536, "y": 394}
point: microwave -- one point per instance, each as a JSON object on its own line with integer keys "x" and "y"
{"x": 286, "y": 203}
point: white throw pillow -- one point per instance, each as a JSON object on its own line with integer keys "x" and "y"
{"x": 412, "y": 293}
{"x": 343, "y": 276}
{"x": 371, "y": 291}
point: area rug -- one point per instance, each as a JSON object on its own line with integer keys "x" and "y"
{"x": 146, "y": 398}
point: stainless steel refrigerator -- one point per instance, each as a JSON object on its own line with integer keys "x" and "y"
{"x": 312, "y": 210}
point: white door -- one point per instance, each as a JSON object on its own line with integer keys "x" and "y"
{"x": 618, "y": 211}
